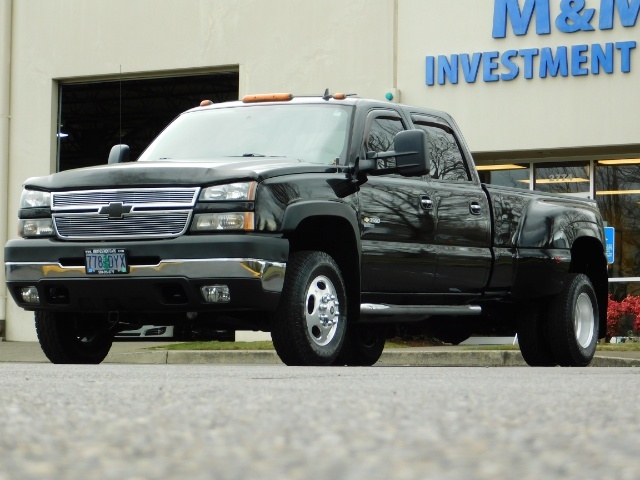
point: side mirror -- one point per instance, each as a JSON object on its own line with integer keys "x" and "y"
{"x": 412, "y": 153}
{"x": 119, "y": 154}
{"x": 411, "y": 149}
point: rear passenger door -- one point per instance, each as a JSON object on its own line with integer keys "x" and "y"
{"x": 398, "y": 254}
{"x": 462, "y": 218}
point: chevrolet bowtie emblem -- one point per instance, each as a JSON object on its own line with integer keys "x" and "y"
{"x": 115, "y": 210}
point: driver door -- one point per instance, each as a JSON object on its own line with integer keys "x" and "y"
{"x": 398, "y": 254}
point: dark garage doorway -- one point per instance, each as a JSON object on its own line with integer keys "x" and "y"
{"x": 94, "y": 116}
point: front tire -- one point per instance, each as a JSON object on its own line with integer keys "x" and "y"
{"x": 311, "y": 321}
{"x": 77, "y": 339}
{"x": 573, "y": 322}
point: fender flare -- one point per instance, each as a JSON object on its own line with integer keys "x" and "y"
{"x": 297, "y": 212}
{"x": 556, "y": 225}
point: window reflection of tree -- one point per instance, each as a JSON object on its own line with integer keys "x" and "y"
{"x": 622, "y": 212}
{"x": 509, "y": 178}
{"x": 508, "y": 211}
{"x": 396, "y": 203}
{"x": 381, "y": 135}
{"x": 446, "y": 160}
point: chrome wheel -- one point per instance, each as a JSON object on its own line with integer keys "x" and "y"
{"x": 584, "y": 320}
{"x": 310, "y": 325}
{"x": 322, "y": 310}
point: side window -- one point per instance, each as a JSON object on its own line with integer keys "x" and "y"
{"x": 382, "y": 131}
{"x": 447, "y": 162}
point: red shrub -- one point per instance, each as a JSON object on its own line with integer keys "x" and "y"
{"x": 630, "y": 305}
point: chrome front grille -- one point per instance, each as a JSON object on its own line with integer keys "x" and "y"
{"x": 147, "y": 196}
{"x": 152, "y": 224}
{"x": 123, "y": 213}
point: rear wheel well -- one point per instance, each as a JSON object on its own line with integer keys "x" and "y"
{"x": 334, "y": 236}
{"x": 587, "y": 256}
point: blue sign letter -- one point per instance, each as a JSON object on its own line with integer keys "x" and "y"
{"x": 578, "y": 60}
{"x": 601, "y": 58}
{"x": 550, "y": 65}
{"x": 446, "y": 69}
{"x": 628, "y": 13}
{"x": 520, "y": 19}
{"x": 625, "y": 50}
{"x": 470, "y": 66}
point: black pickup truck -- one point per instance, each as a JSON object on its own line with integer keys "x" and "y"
{"x": 330, "y": 221}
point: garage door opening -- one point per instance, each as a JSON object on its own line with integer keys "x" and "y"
{"x": 94, "y": 116}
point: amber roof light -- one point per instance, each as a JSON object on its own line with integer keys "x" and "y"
{"x": 267, "y": 97}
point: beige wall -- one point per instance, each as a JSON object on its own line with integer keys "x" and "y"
{"x": 5, "y": 91}
{"x": 303, "y": 46}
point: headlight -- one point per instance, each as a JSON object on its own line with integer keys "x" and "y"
{"x": 231, "y": 191}
{"x": 36, "y": 227}
{"x": 35, "y": 198}
{"x": 206, "y": 222}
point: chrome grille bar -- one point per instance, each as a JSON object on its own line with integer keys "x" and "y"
{"x": 164, "y": 224}
{"x": 148, "y": 197}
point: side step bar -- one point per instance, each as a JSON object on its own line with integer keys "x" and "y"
{"x": 376, "y": 312}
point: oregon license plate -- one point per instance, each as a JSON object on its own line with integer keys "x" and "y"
{"x": 106, "y": 261}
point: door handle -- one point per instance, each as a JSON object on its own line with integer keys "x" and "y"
{"x": 475, "y": 208}
{"x": 426, "y": 203}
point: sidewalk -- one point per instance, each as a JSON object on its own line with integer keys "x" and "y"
{"x": 446, "y": 356}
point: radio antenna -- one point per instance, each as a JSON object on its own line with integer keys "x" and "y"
{"x": 120, "y": 108}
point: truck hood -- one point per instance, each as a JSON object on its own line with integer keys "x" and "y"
{"x": 183, "y": 173}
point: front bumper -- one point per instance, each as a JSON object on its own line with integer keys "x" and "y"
{"x": 165, "y": 275}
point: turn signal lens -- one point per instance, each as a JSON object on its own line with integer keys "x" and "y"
{"x": 36, "y": 227}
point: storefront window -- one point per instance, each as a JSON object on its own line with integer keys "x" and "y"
{"x": 511, "y": 175}
{"x": 618, "y": 196}
{"x": 565, "y": 178}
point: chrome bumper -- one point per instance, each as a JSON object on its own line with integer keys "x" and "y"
{"x": 271, "y": 274}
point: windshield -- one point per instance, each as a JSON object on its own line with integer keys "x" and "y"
{"x": 310, "y": 133}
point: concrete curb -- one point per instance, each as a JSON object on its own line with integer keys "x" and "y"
{"x": 602, "y": 361}
{"x": 224, "y": 357}
{"x": 485, "y": 358}
{"x": 488, "y": 358}
{"x": 138, "y": 357}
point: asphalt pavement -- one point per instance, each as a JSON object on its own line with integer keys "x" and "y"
{"x": 139, "y": 352}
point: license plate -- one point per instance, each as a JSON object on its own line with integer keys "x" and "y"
{"x": 106, "y": 261}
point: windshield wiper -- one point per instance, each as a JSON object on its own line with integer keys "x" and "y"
{"x": 253, "y": 155}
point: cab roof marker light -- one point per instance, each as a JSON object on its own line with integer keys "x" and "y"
{"x": 206, "y": 103}
{"x": 267, "y": 97}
